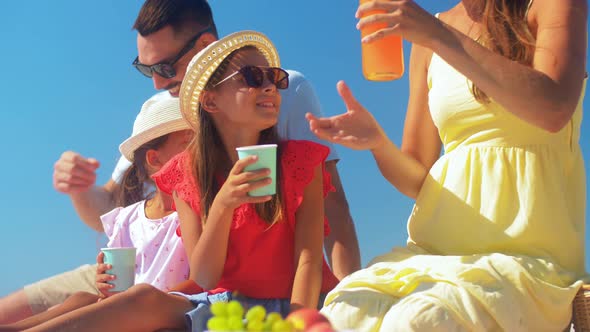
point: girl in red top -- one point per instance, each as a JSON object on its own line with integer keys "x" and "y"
{"x": 267, "y": 249}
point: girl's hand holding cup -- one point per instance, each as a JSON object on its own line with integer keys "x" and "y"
{"x": 120, "y": 264}
{"x": 102, "y": 278}
{"x": 235, "y": 190}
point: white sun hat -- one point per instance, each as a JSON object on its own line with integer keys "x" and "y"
{"x": 203, "y": 65}
{"x": 159, "y": 115}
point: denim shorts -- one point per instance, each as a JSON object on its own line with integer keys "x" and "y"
{"x": 197, "y": 318}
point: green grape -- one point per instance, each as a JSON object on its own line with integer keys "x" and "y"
{"x": 234, "y": 308}
{"x": 273, "y": 317}
{"x": 256, "y": 314}
{"x": 219, "y": 309}
{"x": 255, "y": 326}
{"x": 217, "y": 324}
{"x": 266, "y": 326}
{"x": 282, "y": 326}
{"x": 235, "y": 323}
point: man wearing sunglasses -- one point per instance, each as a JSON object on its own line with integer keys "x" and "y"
{"x": 160, "y": 59}
{"x": 170, "y": 33}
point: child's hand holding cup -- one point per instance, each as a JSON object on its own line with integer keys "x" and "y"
{"x": 122, "y": 261}
{"x": 267, "y": 158}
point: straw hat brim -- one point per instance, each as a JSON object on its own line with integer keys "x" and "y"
{"x": 204, "y": 64}
{"x": 131, "y": 144}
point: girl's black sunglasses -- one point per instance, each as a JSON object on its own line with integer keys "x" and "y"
{"x": 254, "y": 76}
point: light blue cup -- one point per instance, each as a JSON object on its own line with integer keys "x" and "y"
{"x": 267, "y": 158}
{"x": 122, "y": 261}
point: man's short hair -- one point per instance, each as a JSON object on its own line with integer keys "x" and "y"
{"x": 184, "y": 16}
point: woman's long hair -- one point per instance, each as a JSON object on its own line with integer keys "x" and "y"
{"x": 210, "y": 160}
{"x": 133, "y": 183}
{"x": 505, "y": 31}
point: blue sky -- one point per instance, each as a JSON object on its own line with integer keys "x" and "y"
{"x": 67, "y": 84}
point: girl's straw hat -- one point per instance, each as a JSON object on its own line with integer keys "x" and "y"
{"x": 204, "y": 64}
{"x": 159, "y": 115}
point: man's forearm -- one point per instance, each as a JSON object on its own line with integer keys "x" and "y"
{"x": 90, "y": 205}
{"x": 342, "y": 247}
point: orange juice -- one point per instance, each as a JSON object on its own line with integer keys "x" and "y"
{"x": 383, "y": 59}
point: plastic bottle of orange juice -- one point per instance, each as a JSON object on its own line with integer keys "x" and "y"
{"x": 383, "y": 60}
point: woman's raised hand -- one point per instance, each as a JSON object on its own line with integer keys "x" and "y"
{"x": 402, "y": 17}
{"x": 356, "y": 129}
{"x": 234, "y": 191}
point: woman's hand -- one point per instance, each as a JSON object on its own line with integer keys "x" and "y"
{"x": 102, "y": 278}
{"x": 234, "y": 191}
{"x": 401, "y": 17}
{"x": 356, "y": 129}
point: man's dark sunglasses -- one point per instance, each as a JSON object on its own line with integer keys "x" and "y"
{"x": 166, "y": 69}
{"x": 254, "y": 76}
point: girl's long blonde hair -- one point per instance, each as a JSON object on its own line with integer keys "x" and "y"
{"x": 209, "y": 159}
{"x": 505, "y": 31}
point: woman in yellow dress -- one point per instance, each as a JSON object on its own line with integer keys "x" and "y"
{"x": 496, "y": 236}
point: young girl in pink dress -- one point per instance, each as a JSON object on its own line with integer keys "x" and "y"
{"x": 268, "y": 249}
{"x": 149, "y": 224}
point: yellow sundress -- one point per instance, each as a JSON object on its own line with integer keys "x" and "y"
{"x": 496, "y": 236}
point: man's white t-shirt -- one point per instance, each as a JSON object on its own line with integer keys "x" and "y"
{"x": 297, "y": 100}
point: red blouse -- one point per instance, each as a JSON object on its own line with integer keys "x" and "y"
{"x": 259, "y": 262}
